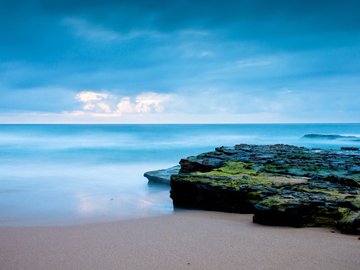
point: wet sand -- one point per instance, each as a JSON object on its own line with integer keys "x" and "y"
{"x": 184, "y": 240}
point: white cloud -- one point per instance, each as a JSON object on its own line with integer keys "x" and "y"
{"x": 74, "y": 113}
{"x": 125, "y": 106}
{"x": 148, "y": 102}
{"x": 89, "y": 107}
{"x": 94, "y": 101}
{"x": 105, "y": 105}
{"x": 191, "y": 105}
{"x": 89, "y": 96}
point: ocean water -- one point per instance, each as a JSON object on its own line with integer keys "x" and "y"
{"x": 69, "y": 174}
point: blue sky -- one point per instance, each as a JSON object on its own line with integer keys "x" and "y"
{"x": 245, "y": 61}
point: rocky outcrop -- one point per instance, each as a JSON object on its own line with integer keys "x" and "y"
{"x": 280, "y": 184}
{"x": 162, "y": 176}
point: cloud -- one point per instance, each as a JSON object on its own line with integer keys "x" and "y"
{"x": 148, "y": 102}
{"x": 94, "y": 101}
{"x": 89, "y": 96}
{"x": 89, "y": 106}
{"x": 253, "y": 63}
{"x": 125, "y": 105}
{"x": 212, "y": 105}
{"x": 84, "y": 29}
{"x": 104, "y": 104}
{"x": 281, "y": 105}
{"x": 191, "y": 53}
{"x": 167, "y": 15}
{"x": 246, "y": 50}
{"x": 105, "y": 107}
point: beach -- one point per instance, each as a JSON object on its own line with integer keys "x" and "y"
{"x": 74, "y": 197}
{"x": 153, "y": 134}
{"x": 183, "y": 240}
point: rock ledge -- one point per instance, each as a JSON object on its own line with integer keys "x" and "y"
{"x": 280, "y": 184}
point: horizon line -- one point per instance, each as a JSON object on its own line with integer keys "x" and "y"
{"x": 252, "y": 123}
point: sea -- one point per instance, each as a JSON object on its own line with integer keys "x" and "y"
{"x": 55, "y": 175}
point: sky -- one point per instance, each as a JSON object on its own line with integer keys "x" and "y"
{"x": 161, "y": 61}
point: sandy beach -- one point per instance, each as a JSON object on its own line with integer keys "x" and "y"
{"x": 183, "y": 240}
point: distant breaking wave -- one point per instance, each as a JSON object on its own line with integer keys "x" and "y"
{"x": 332, "y": 137}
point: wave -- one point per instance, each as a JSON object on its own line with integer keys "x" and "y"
{"x": 332, "y": 137}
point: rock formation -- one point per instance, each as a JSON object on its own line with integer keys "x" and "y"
{"x": 162, "y": 176}
{"x": 280, "y": 184}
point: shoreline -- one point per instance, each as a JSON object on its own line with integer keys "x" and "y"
{"x": 186, "y": 239}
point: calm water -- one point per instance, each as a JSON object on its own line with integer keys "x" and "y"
{"x": 65, "y": 174}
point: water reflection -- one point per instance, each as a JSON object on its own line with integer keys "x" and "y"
{"x": 47, "y": 194}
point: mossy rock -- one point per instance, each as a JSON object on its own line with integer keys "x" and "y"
{"x": 280, "y": 184}
{"x": 349, "y": 222}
